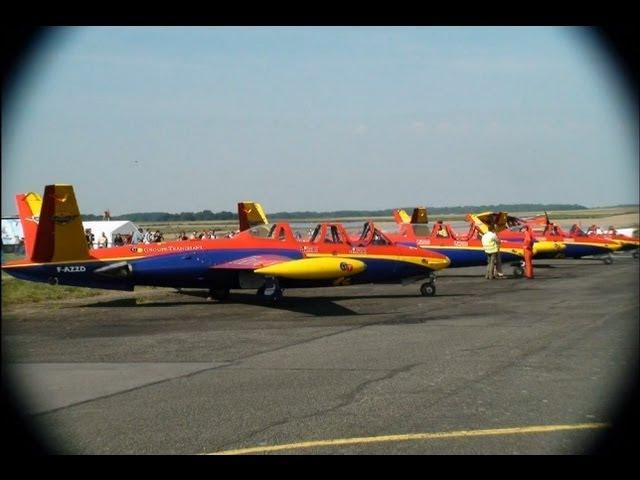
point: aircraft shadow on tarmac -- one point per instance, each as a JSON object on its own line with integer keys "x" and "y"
{"x": 317, "y": 306}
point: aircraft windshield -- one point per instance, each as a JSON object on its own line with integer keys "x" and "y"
{"x": 325, "y": 233}
{"x": 275, "y": 231}
{"x": 372, "y": 236}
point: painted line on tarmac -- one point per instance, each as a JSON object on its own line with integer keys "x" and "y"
{"x": 413, "y": 436}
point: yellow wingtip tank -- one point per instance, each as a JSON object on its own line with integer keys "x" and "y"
{"x": 547, "y": 246}
{"x": 320, "y": 268}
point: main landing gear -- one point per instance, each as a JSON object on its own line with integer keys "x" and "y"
{"x": 607, "y": 259}
{"x": 428, "y": 288}
{"x": 518, "y": 269}
{"x": 271, "y": 290}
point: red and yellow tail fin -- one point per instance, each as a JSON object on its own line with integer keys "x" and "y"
{"x": 250, "y": 214}
{"x": 29, "y": 206}
{"x": 60, "y": 236}
{"x": 400, "y": 216}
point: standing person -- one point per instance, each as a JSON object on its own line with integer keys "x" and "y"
{"x": 491, "y": 248}
{"x": 498, "y": 267}
{"x": 103, "y": 242}
{"x": 89, "y": 236}
{"x": 528, "y": 253}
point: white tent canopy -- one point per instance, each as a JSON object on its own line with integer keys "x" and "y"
{"x": 110, "y": 229}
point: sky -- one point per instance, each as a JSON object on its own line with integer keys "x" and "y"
{"x": 324, "y": 118}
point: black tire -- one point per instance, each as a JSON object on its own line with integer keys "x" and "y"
{"x": 635, "y": 255}
{"x": 427, "y": 289}
{"x": 518, "y": 272}
{"x": 608, "y": 260}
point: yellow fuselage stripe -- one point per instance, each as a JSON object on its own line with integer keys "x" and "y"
{"x": 414, "y": 436}
{"x": 434, "y": 263}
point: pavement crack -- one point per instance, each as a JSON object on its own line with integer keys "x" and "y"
{"x": 347, "y": 399}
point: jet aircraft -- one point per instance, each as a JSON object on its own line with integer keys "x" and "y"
{"x": 268, "y": 263}
{"x": 463, "y": 250}
{"x": 577, "y": 246}
{"x": 627, "y": 242}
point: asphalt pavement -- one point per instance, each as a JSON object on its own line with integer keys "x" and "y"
{"x": 510, "y": 366}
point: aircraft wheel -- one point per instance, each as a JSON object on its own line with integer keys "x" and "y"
{"x": 635, "y": 255}
{"x": 518, "y": 272}
{"x": 270, "y": 291}
{"x": 428, "y": 289}
{"x": 272, "y": 297}
{"x": 608, "y": 260}
{"x": 276, "y": 296}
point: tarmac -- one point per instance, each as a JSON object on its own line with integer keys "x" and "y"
{"x": 509, "y": 366}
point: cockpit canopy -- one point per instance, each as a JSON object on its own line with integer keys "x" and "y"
{"x": 276, "y": 231}
{"x": 329, "y": 233}
{"x": 372, "y": 236}
{"x": 335, "y": 233}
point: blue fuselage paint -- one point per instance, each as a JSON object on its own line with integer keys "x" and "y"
{"x": 578, "y": 250}
{"x": 468, "y": 257}
{"x": 196, "y": 269}
{"x": 75, "y": 274}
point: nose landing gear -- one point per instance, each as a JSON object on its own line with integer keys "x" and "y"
{"x": 428, "y": 288}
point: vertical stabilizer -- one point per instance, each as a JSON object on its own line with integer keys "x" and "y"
{"x": 29, "y": 206}
{"x": 419, "y": 215}
{"x": 400, "y": 216}
{"x": 60, "y": 236}
{"x": 250, "y": 214}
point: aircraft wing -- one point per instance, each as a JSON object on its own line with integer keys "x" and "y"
{"x": 315, "y": 268}
{"x": 252, "y": 262}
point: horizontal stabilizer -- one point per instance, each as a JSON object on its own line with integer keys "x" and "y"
{"x": 317, "y": 268}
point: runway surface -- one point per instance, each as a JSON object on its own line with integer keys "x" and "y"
{"x": 510, "y": 366}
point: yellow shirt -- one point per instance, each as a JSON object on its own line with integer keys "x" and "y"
{"x": 490, "y": 242}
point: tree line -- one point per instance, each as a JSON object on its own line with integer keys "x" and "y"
{"x": 206, "y": 215}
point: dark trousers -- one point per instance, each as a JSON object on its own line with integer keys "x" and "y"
{"x": 492, "y": 261}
